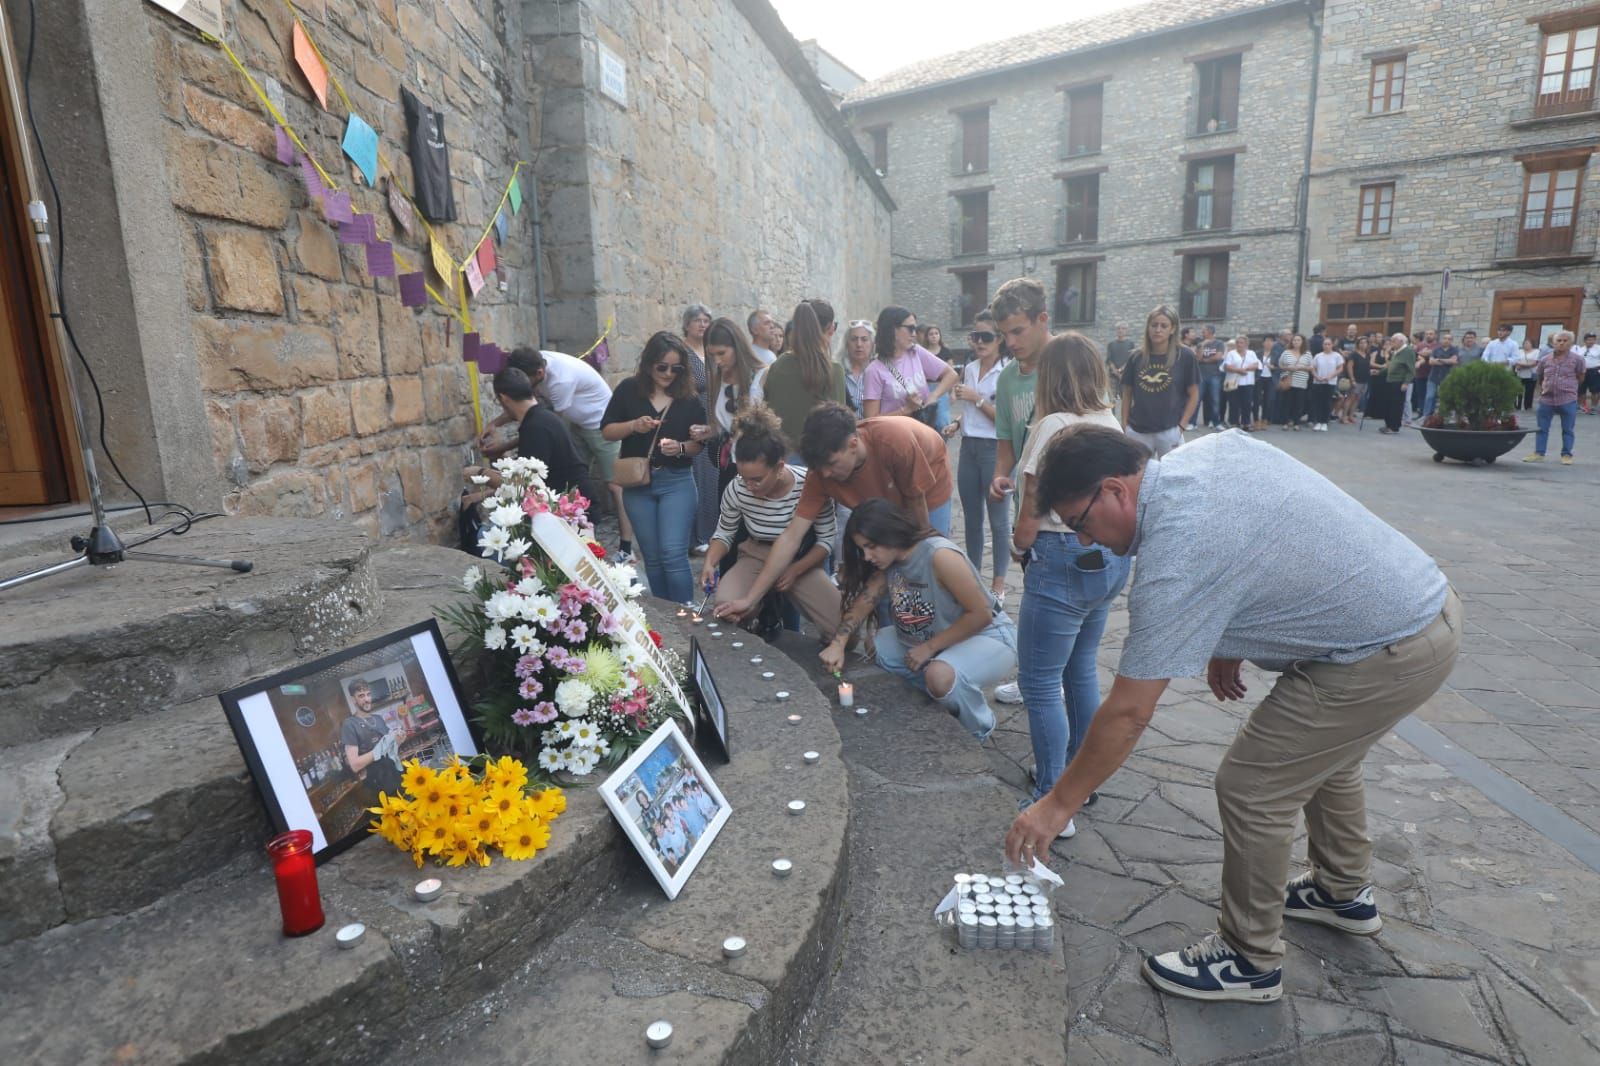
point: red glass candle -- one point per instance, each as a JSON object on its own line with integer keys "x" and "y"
{"x": 295, "y": 869}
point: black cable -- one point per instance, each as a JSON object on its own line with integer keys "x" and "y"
{"x": 177, "y": 509}
{"x": 61, "y": 258}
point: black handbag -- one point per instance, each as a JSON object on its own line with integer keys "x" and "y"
{"x": 928, "y": 413}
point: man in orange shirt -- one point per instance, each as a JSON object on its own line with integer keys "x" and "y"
{"x": 849, "y": 462}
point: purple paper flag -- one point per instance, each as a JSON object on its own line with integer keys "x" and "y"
{"x": 361, "y": 229}
{"x": 469, "y": 347}
{"x": 314, "y": 187}
{"x": 598, "y": 356}
{"x": 285, "y": 146}
{"x": 491, "y": 360}
{"x": 380, "y": 259}
{"x": 337, "y": 207}
{"x": 414, "y": 289}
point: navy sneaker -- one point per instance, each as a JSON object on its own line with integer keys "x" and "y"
{"x": 1214, "y": 971}
{"x": 1306, "y": 902}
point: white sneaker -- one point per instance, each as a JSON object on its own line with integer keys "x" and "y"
{"x": 700, "y": 549}
{"x": 1069, "y": 832}
{"x": 1008, "y": 693}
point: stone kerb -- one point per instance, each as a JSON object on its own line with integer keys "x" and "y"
{"x": 203, "y": 975}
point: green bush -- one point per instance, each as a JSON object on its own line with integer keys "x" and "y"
{"x": 1479, "y": 395}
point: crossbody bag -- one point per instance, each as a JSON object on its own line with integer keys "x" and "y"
{"x": 635, "y": 472}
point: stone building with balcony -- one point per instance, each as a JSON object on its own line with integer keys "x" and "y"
{"x": 1459, "y": 140}
{"x": 1153, "y": 155}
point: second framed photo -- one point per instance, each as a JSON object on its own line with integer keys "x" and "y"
{"x": 709, "y": 708}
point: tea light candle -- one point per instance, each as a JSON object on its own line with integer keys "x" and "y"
{"x": 861, "y": 712}
{"x": 694, "y": 619}
{"x": 783, "y": 695}
{"x": 716, "y": 632}
{"x": 767, "y": 675}
{"x": 794, "y": 719}
{"x": 797, "y": 806}
{"x": 755, "y": 658}
{"x": 351, "y": 935}
{"x": 782, "y": 867}
{"x": 847, "y": 694}
{"x": 683, "y": 612}
{"x": 738, "y": 644}
{"x": 658, "y": 1034}
{"x": 429, "y": 890}
{"x": 733, "y": 947}
{"x": 811, "y": 757}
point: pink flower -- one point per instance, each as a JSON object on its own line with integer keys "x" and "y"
{"x": 532, "y": 504}
{"x": 526, "y": 565}
{"x": 530, "y": 688}
{"x": 527, "y": 666}
{"x": 543, "y": 712}
{"x": 526, "y": 716}
{"x": 609, "y": 625}
{"x": 575, "y": 631}
{"x": 575, "y": 665}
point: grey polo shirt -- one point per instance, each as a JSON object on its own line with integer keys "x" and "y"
{"x": 1246, "y": 553}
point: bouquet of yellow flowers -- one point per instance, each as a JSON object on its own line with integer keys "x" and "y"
{"x": 457, "y": 813}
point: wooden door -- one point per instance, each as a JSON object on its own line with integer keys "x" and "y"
{"x": 32, "y": 466}
{"x": 1386, "y": 311}
{"x": 1537, "y": 313}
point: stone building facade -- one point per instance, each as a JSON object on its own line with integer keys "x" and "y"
{"x": 1437, "y": 149}
{"x": 1147, "y": 157}
{"x": 249, "y": 363}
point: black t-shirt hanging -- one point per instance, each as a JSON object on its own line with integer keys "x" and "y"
{"x": 430, "y": 159}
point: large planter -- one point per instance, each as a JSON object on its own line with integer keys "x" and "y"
{"x": 1471, "y": 445}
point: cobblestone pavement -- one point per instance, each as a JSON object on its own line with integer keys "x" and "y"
{"x": 1492, "y": 927}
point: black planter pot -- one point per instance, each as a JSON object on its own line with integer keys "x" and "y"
{"x": 1471, "y": 445}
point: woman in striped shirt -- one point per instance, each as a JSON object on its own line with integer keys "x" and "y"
{"x": 762, "y": 498}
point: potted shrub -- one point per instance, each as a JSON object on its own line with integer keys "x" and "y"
{"x": 1474, "y": 422}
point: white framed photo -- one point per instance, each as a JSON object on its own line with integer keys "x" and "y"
{"x": 711, "y": 710}
{"x": 668, "y": 805}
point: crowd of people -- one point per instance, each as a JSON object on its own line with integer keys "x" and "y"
{"x": 808, "y": 465}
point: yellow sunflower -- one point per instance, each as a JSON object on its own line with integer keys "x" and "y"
{"x": 434, "y": 836}
{"x": 416, "y": 778}
{"x": 549, "y": 802}
{"x": 505, "y": 771}
{"x": 459, "y": 850}
{"x": 524, "y": 840}
{"x": 505, "y": 802}
{"x": 485, "y": 827}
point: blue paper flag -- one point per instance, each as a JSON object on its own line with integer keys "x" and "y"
{"x": 501, "y": 225}
{"x": 361, "y": 145}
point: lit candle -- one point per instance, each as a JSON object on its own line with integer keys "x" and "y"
{"x": 794, "y": 719}
{"x": 694, "y": 619}
{"x": 295, "y": 870}
{"x": 683, "y": 612}
{"x": 847, "y": 694}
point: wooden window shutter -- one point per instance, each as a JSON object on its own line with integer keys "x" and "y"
{"x": 1222, "y": 198}
{"x": 1219, "y": 286}
{"x": 1228, "y": 92}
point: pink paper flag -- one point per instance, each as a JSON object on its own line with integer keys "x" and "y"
{"x": 469, "y": 347}
{"x": 486, "y": 259}
{"x": 337, "y": 207}
{"x": 285, "y": 146}
{"x": 491, "y": 360}
{"x": 400, "y": 207}
{"x": 314, "y": 187}
{"x": 380, "y": 259}
{"x": 413, "y": 290}
{"x": 361, "y": 229}
{"x": 474, "y": 277}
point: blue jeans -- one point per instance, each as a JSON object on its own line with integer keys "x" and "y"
{"x": 1569, "y": 418}
{"x": 1430, "y": 399}
{"x": 1211, "y": 399}
{"x": 974, "y": 472}
{"x": 1059, "y": 626}
{"x": 978, "y": 663}
{"x": 942, "y": 412}
{"x": 662, "y": 514}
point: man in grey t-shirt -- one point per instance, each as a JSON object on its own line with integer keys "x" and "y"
{"x": 1358, "y": 621}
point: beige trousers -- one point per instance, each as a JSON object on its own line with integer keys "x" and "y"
{"x": 1301, "y": 749}
{"x": 815, "y": 593}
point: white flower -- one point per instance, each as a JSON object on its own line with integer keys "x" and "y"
{"x": 507, "y": 515}
{"x": 502, "y": 605}
{"x": 517, "y": 549}
{"x": 631, "y": 656}
{"x": 584, "y": 734}
{"x": 601, "y": 746}
{"x": 551, "y": 737}
{"x": 494, "y": 638}
{"x": 470, "y": 579}
{"x": 493, "y": 540}
{"x": 573, "y": 696}
{"x": 507, "y": 465}
{"x": 564, "y": 730}
{"x": 551, "y": 760}
{"x": 525, "y": 639}
{"x": 542, "y": 609}
{"x": 581, "y": 763}
{"x": 529, "y": 586}
{"x": 479, "y": 479}
{"x": 508, "y": 493}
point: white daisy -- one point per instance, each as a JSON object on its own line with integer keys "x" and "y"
{"x": 493, "y": 540}
{"x": 524, "y": 639}
{"x": 502, "y": 605}
{"x": 601, "y": 746}
{"x": 537, "y": 467}
{"x": 550, "y": 760}
{"x": 470, "y": 579}
{"x": 517, "y": 549}
{"x": 564, "y": 730}
{"x": 581, "y": 763}
{"x": 508, "y": 493}
{"x": 584, "y": 734}
{"x": 494, "y": 638}
{"x": 507, "y": 515}
{"x": 541, "y": 609}
{"x": 551, "y": 737}
{"x": 529, "y": 586}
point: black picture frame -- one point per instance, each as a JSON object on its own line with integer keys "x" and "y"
{"x": 301, "y": 769}
{"x": 711, "y": 713}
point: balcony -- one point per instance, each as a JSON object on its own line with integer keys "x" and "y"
{"x": 1557, "y": 107}
{"x": 1566, "y": 237}
{"x": 1077, "y": 225}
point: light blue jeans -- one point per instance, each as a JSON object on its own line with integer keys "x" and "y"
{"x": 1430, "y": 399}
{"x": 662, "y": 514}
{"x": 979, "y": 662}
{"x": 939, "y": 518}
{"x": 1059, "y": 626}
{"x": 1544, "y": 415}
{"x": 974, "y": 472}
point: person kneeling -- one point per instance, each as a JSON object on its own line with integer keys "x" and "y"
{"x": 950, "y": 634}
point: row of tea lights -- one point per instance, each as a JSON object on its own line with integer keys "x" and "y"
{"x": 689, "y": 615}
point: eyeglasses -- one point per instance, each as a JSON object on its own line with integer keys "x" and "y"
{"x": 861, "y": 323}
{"x": 1077, "y": 523}
{"x": 981, "y": 336}
{"x": 912, "y": 326}
{"x": 669, "y": 368}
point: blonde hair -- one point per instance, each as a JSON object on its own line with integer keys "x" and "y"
{"x": 1071, "y": 377}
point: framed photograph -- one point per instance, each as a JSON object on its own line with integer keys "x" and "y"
{"x": 709, "y": 709}
{"x": 668, "y": 805}
{"x": 323, "y": 739}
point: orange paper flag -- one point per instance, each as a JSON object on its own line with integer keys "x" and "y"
{"x": 310, "y": 65}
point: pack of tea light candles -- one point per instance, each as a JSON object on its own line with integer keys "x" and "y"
{"x": 1008, "y": 911}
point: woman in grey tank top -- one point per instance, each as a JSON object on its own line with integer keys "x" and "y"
{"x": 950, "y": 636}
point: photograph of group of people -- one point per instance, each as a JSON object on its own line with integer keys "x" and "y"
{"x": 669, "y": 804}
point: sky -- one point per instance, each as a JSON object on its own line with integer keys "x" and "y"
{"x": 873, "y": 37}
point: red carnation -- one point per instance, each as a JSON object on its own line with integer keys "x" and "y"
{"x": 599, "y": 552}
{"x": 656, "y": 637}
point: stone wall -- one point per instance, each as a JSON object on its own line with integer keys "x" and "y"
{"x": 1451, "y": 152}
{"x": 726, "y": 179}
{"x": 1148, "y": 100}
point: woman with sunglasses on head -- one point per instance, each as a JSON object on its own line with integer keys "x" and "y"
{"x": 805, "y": 375}
{"x": 1067, "y": 589}
{"x": 975, "y": 469}
{"x": 857, "y": 357}
{"x": 652, "y": 413}
{"x": 950, "y": 635}
{"x": 696, "y": 321}
{"x": 732, "y": 368}
{"x": 905, "y": 379}
{"x": 763, "y": 497}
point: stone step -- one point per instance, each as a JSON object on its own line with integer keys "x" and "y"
{"x": 578, "y": 947}
{"x": 99, "y": 645}
{"x": 118, "y": 816}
